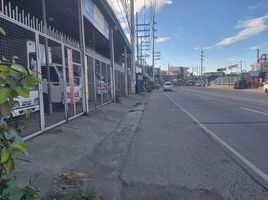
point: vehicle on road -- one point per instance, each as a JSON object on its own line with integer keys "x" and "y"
{"x": 265, "y": 87}
{"x": 241, "y": 84}
{"x": 200, "y": 84}
{"x": 167, "y": 86}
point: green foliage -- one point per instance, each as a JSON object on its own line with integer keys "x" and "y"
{"x": 2, "y": 31}
{"x": 85, "y": 194}
{"x": 15, "y": 81}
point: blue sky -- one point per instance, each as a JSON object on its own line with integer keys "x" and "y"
{"x": 228, "y": 30}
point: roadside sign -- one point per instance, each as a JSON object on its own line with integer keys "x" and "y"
{"x": 70, "y": 75}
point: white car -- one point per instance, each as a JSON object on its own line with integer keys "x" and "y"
{"x": 265, "y": 87}
{"x": 30, "y": 104}
{"x": 167, "y": 86}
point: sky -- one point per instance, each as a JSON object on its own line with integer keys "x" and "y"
{"x": 228, "y": 30}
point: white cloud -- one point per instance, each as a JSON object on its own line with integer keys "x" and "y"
{"x": 256, "y": 6}
{"x": 232, "y": 59}
{"x": 249, "y": 28}
{"x": 162, "y": 39}
{"x": 139, "y": 5}
{"x": 253, "y": 47}
{"x": 196, "y": 48}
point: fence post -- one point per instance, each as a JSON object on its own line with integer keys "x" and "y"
{"x": 40, "y": 86}
{"x": 64, "y": 80}
{"x": 83, "y": 57}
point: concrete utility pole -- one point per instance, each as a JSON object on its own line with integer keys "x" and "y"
{"x": 137, "y": 39}
{"x": 153, "y": 52}
{"x": 258, "y": 55}
{"x": 112, "y": 59}
{"x": 132, "y": 28}
{"x": 241, "y": 66}
{"x": 47, "y": 58}
{"x": 202, "y": 60}
{"x": 83, "y": 56}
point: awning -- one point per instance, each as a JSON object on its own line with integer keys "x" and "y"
{"x": 254, "y": 73}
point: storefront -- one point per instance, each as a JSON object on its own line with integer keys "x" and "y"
{"x": 74, "y": 57}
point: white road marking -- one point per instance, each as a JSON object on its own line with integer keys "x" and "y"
{"x": 225, "y": 96}
{"x": 255, "y": 111}
{"x": 248, "y": 163}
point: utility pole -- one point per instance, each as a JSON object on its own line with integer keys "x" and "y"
{"x": 137, "y": 38}
{"x": 202, "y": 60}
{"x": 241, "y": 66}
{"x": 153, "y": 32}
{"x": 132, "y": 36}
{"x": 258, "y": 55}
{"x": 143, "y": 42}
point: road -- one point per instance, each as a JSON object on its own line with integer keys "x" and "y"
{"x": 199, "y": 143}
{"x": 189, "y": 144}
{"x": 239, "y": 118}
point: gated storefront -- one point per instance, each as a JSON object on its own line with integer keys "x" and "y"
{"x": 57, "y": 60}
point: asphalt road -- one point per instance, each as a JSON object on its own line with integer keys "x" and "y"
{"x": 173, "y": 155}
{"x": 239, "y": 118}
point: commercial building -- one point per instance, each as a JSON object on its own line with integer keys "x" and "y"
{"x": 177, "y": 75}
{"x": 78, "y": 49}
{"x": 259, "y": 72}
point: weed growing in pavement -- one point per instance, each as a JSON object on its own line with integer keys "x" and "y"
{"x": 85, "y": 194}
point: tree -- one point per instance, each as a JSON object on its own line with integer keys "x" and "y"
{"x": 15, "y": 81}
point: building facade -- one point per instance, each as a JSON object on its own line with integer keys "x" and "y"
{"x": 78, "y": 49}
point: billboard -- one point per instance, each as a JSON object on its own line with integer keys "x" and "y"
{"x": 233, "y": 66}
{"x": 221, "y": 69}
{"x": 93, "y": 14}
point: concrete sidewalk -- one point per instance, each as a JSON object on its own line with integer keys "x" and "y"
{"x": 63, "y": 148}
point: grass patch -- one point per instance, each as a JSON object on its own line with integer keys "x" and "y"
{"x": 72, "y": 178}
{"x": 85, "y": 194}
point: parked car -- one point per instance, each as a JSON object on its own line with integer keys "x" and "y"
{"x": 241, "y": 84}
{"x": 157, "y": 86}
{"x": 56, "y": 85}
{"x": 167, "y": 86}
{"x": 200, "y": 84}
{"x": 30, "y": 104}
{"x": 265, "y": 87}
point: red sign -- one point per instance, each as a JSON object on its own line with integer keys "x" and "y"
{"x": 70, "y": 75}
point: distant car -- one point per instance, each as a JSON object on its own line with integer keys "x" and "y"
{"x": 157, "y": 86}
{"x": 265, "y": 87}
{"x": 241, "y": 84}
{"x": 167, "y": 86}
{"x": 200, "y": 84}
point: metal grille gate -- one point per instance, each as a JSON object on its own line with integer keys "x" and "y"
{"x": 44, "y": 51}
{"x": 56, "y": 58}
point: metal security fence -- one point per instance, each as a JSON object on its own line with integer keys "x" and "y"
{"x": 91, "y": 82}
{"x": 227, "y": 80}
{"x": 51, "y": 56}
{"x": 17, "y": 43}
{"x": 56, "y": 59}
{"x": 99, "y": 79}
{"x": 120, "y": 80}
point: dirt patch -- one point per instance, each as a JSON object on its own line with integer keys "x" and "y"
{"x": 142, "y": 191}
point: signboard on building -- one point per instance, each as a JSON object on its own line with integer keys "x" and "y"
{"x": 93, "y": 14}
{"x": 70, "y": 75}
{"x": 233, "y": 66}
{"x": 221, "y": 69}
